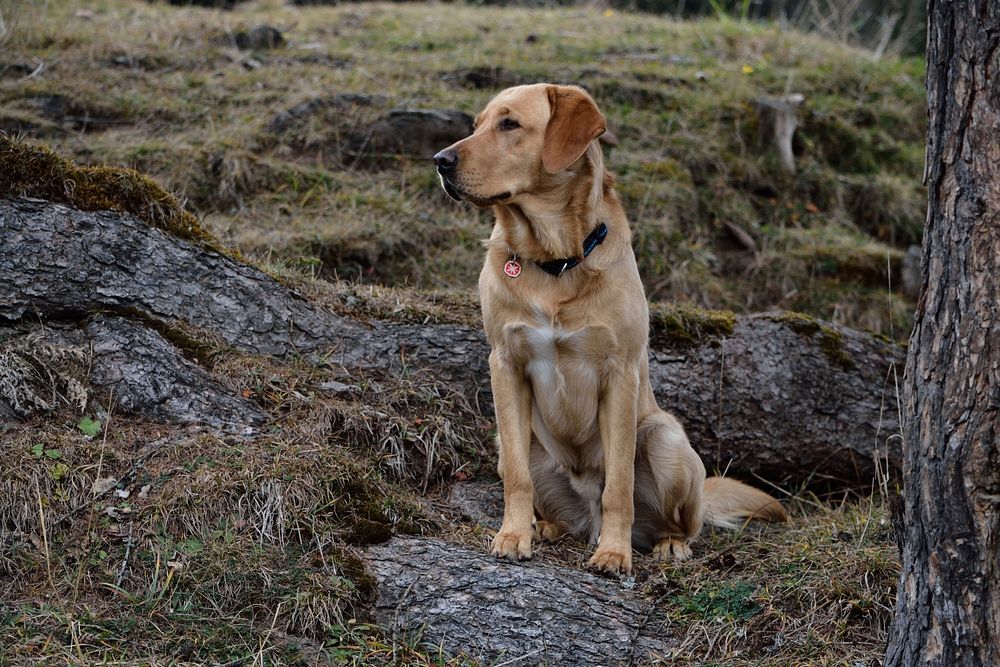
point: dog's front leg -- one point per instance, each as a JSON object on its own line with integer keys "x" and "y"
{"x": 512, "y": 400}
{"x": 617, "y": 417}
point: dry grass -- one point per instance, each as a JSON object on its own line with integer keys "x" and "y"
{"x": 166, "y": 90}
{"x": 818, "y": 591}
{"x": 150, "y": 544}
{"x": 36, "y": 376}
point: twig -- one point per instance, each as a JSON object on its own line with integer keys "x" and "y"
{"x": 45, "y": 538}
{"x": 39, "y": 68}
{"x": 519, "y": 658}
{"x": 100, "y": 465}
{"x": 263, "y": 642}
{"x": 128, "y": 553}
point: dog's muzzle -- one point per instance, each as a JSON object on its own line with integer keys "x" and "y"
{"x": 446, "y": 162}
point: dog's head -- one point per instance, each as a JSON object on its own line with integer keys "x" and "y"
{"x": 524, "y": 138}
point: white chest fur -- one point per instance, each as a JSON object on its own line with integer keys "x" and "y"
{"x": 567, "y": 371}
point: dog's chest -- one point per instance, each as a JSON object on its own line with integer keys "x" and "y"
{"x": 567, "y": 369}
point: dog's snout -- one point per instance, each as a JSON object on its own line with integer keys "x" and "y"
{"x": 446, "y": 160}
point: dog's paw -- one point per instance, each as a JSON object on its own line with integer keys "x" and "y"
{"x": 512, "y": 544}
{"x": 547, "y": 531}
{"x": 612, "y": 561}
{"x": 671, "y": 548}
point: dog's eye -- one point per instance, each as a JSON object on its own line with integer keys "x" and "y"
{"x": 507, "y": 124}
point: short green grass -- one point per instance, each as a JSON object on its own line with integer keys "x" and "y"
{"x": 165, "y": 90}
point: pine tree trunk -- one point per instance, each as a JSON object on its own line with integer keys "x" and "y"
{"x": 948, "y": 608}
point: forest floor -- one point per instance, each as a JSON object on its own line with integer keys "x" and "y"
{"x": 140, "y": 543}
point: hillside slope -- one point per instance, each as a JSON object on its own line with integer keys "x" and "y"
{"x": 272, "y": 145}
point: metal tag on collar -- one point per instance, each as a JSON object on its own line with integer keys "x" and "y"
{"x": 512, "y": 268}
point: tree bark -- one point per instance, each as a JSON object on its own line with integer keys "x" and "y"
{"x": 147, "y": 375}
{"x": 783, "y": 397}
{"x": 948, "y": 608}
{"x": 469, "y": 603}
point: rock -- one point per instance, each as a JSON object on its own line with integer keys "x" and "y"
{"x": 412, "y": 132}
{"x": 339, "y": 388}
{"x": 260, "y": 37}
{"x": 488, "y": 77}
{"x": 15, "y": 69}
{"x": 69, "y": 113}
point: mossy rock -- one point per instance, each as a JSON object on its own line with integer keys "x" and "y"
{"x": 683, "y": 325}
{"x": 29, "y": 170}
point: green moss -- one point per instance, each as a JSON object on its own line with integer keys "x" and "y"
{"x": 683, "y": 325}
{"x": 36, "y": 171}
{"x": 830, "y": 340}
{"x": 363, "y": 507}
{"x": 354, "y": 569}
{"x": 666, "y": 168}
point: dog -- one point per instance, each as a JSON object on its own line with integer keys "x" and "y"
{"x": 583, "y": 447}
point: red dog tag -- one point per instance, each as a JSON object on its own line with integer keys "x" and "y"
{"x": 512, "y": 268}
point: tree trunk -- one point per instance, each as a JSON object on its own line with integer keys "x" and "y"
{"x": 782, "y": 396}
{"x": 948, "y": 606}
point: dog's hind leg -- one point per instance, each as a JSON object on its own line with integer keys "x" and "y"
{"x": 546, "y": 531}
{"x": 668, "y": 492}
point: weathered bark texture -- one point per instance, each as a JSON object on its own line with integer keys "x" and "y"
{"x": 147, "y": 375}
{"x": 948, "y": 608}
{"x": 784, "y": 398}
{"x": 468, "y": 602}
{"x": 57, "y": 261}
{"x": 787, "y": 406}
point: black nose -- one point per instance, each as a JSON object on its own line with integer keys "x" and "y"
{"x": 446, "y": 160}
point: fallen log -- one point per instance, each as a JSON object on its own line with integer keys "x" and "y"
{"x": 782, "y": 396}
{"x": 469, "y": 603}
{"x": 147, "y": 375}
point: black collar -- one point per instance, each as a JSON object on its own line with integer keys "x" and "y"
{"x": 557, "y": 267}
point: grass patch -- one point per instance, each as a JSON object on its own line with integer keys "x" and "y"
{"x": 727, "y": 601}
{"x": 819, "y": 591}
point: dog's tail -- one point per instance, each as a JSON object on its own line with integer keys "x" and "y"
{"x": 728, "y": 503}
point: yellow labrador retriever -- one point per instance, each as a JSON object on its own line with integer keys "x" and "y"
{"x": 582, "y": 442}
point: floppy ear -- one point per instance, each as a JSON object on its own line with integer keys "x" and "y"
{"x": 574, "y": 122}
